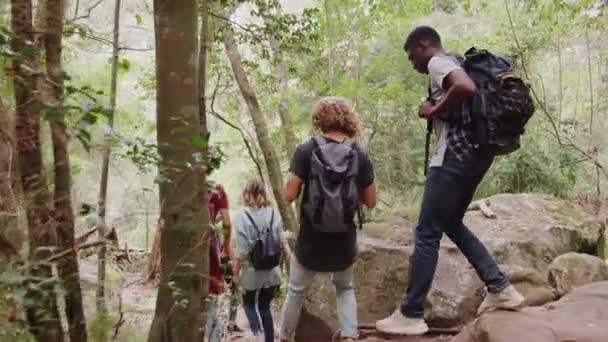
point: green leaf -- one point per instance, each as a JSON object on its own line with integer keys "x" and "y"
{"x": 86, "y": 209}
{"x": 124, "y": 65}
{"x": 138, "y": 19}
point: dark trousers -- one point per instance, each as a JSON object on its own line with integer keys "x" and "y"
{"x": 258, "y": 302}
{"x": 448, "y": 192}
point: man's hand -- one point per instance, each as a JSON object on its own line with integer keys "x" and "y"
{"x": 426, "y": 110}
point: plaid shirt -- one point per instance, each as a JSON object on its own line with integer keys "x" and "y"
{"x": 460, "y": 137}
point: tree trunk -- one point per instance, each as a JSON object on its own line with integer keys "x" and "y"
{"x": 41, "y": 305}
{"x": 10, "y": 233}
{"x": 261, "y": 127}
{"x": 281, "y": 74}
{"x": 331, "y": 72}
{"x": 204, "y": 45}
{"x": 100, "y": 294}
{"x": 63, "y": 214}
{"x": 153, "y": 265}
{"x": 183, "y": 218}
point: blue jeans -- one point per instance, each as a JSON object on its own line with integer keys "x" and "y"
{"x": 300, "y": 279}
{"x": 258, "y": 301}
{"x": 448, "y": 192}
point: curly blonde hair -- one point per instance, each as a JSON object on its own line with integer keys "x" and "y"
{"x": 335, "y": 114}
{"x": 254, "y": 195}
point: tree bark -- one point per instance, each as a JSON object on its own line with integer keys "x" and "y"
{"x": 261, "y": 127}
{"x": 100, "y": 294}
{"x": 41, "y": 306}
{"x": 204, "y": 45}
{"x": 63, "y": 213}
{"x": 10, "y": 233}
{"x": 331, "y": 72}
{"x": 153, "y": 265}
{"x": 281, "y": 74}
{"x": 183, "y": 224}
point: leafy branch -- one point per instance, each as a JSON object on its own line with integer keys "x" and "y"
{"x": 563, "y": 140}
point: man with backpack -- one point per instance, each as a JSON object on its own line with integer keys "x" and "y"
{"x": 477, "y": 111}
{"x": 335, "y": 175}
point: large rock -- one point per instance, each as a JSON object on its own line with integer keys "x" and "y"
{"x": 528, "y": 233}
{"x": 579, "y": 316}
{"x": 575, "y": 269}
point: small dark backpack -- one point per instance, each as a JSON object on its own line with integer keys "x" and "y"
{"x": 333, "y": 196}
{"x": 266, "y": 251}
{"x": 502, "y": 105}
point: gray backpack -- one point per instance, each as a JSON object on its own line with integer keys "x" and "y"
{"x": 333, "y": 196}
{"x": 266, "y": 251}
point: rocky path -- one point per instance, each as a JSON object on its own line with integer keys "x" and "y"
{"x": 138, "y": 300}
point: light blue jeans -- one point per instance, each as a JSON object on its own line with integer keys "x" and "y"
{"x": 299, "y": 280}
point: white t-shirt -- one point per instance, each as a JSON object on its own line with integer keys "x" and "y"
{"x": 439, "y": 67}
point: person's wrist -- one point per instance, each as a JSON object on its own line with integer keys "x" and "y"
{"x": 433, "y": 112}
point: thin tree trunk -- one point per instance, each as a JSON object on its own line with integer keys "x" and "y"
{"x": 560, "y": 76}
{"x": 184, "y": 220}
{"x": 204, "y": 45}
{"x": 281, "y": 74}
{"x": 261, "y": 127}
{"x": 63, "y": 213}
{"x": 100, "y": 294}
{"x": 9, "y": 213}
{"x": 330, "y": 45}
{"x": 41, "y": 305}
{"x": 153, "y": 265}
{"x": 591, "y": 109}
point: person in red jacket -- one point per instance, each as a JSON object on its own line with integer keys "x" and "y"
{"x": 219, "y": 250}
{"x": 219, "y": 254}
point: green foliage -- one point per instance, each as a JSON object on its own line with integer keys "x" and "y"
{"x": 535, "y": 168}
{"x": 101, "y": 326}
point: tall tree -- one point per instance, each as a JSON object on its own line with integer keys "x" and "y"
{"x": 100, "y": 294}
{"x": 63, "y": 213}
{"x": 41, "y": 305}
{"x": 9, "y": 222}
{"x": 204, "y": 48}
{"x": 283, "y": 79}
{"x": 259, "y": 122}
{"x": 178, "y": 306}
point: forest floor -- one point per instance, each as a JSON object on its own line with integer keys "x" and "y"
{"x": 128, "y": 293}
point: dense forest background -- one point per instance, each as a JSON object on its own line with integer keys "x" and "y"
{"x": 289, "y": 53}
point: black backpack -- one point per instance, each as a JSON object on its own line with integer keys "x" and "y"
{"x": 266, "y": 251}
{"x": 502, "y": 105}
{"x": 332, "y": 192}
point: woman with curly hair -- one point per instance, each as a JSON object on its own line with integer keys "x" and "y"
{"x": 327, "y": 239}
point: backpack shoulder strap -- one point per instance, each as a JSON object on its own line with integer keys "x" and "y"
{"x": 319, "y": 141}
{"x": 252, "y": 221}
{"x": 271, "y": 219}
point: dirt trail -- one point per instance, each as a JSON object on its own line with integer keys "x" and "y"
{"x": 139, "y": 301}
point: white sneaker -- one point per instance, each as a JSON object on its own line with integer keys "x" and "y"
{"x": 507, "y": 299}
{"x": 398, "y": 324}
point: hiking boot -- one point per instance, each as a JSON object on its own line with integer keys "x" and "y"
{"x": 398, "y": 324}
{"x": 507, "y": 299}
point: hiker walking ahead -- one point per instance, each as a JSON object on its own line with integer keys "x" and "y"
{"x": 335, "y": 175}
{"x": 456, "y": 169}
{"x": 259, "y": 242}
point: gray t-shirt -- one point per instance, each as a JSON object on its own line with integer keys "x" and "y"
{"x": 440, "y": 67}
{"x": 244, "y": 238}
